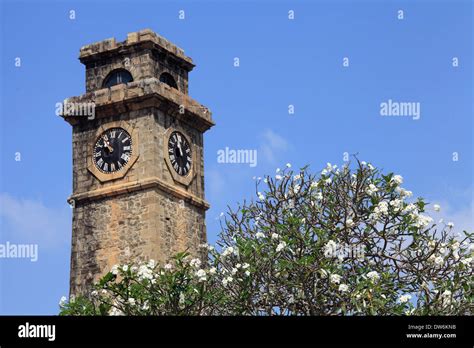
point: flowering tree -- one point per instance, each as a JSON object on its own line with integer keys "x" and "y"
{"x": 343, "y": 242}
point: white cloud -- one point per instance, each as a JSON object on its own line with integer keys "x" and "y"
{"x": 273, "y": 145}
{"x": 30, "y": 221}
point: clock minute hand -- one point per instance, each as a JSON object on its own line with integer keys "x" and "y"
{"x": 180, "y": 150}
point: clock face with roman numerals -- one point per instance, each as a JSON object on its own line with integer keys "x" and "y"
{"x": 179, "y": 152}
{"x": 112, "y": 150}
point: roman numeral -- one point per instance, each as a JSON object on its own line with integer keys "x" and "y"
{"x": 125, "y": 157}
{"x": 125, "y": 139}
{"x": 112, "y": 134}
{"x": 97, "y": 154}
{"x": 126, "y": 148}
{"x": 100, "y": 162}
{"x": 106, "y": 167}
{"x": 112, "y": 167}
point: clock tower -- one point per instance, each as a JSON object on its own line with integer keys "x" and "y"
{"x": 138, "y": 170}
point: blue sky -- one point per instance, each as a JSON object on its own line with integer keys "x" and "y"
{"x": 282, "y": 62}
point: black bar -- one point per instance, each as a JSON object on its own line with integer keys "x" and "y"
{"x": 290, "y": 331}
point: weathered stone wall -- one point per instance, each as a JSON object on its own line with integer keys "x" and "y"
{"x": 144, "y": 54}
{"x": 151, "y": 125}
{"x": 133, "y": 227}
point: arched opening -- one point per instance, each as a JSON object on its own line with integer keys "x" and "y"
{"x": 168, "y": 79}
{"x": 117, "y": 77}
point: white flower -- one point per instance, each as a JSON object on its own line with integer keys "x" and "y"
{"x": 318, "y": 195}
{"x": 201, "y": 274}
{"x": 446, "y": 297}
{"x": 343, "y": 288}
{"x": 115, "y": 269}
{"x": 227, "y": 280}
{"x": 371, "y": 189}
{"x": 404, "y": 298}
{"x": 455, "y": 245}
{"x": 151, "y": 263}
{"x": 234, "y": 271}
{"x": 259, "y": 235}
{"x": 324, "y": 274}
{"x": 182, "y": 299}
{"x": 247, "y": 273}
{"x": 213, "y": 270}
{"x": 245, "y": 266}
{"x": 125, "y": 268}
{"x": 275, "y": 236}
{"x": 168, "y": 266}
{"x": 467, "y": 261}
{"x": 288, "y": 165}
{"x": 349, "y": 223}
{"x": 438, "y": 260}
{"x": 62, "y": 301}
{"x": 330, "y": 249}
{"x": 335, "y": 278}
{"x": 297, "y": 177}
{"x": 436, "y": 207}
{"x": 227, "y": 251}
{"x": 373, "y": 276}
{"x": 280, "y": 246}
{"x": 238, "y": 265}
{"x": 396, "y": 204}
{"x": 261, "y": 196}
{"x": 115, "y": 311}
{"x": 144, "y": 273}
{"x": 422, "y": 220}
{"x": 278, "y": 177}
{"x": 131, "y": 300}
{"x": 450, "y": 224}
{"x": 397, "y": 179}
{"x": 328, "y": 180}
{"x": 195, "y": 263}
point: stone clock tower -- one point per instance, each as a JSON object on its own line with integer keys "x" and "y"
{"x": 138, "y": 171}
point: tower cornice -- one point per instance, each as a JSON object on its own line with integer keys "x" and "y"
{"x": 142, "y": 94}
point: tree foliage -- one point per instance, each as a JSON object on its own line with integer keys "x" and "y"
{"x": 342, "y": 242}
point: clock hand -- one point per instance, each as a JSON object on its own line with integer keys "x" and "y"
{"x": 106, "y": 142}
{"x": 180, "y": 150}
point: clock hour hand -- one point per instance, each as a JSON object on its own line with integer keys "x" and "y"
{"x": 107, "y": 144}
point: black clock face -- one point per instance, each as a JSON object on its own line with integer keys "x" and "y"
{"x": 112, "y": 150}
{"x": 179, "y": 152}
